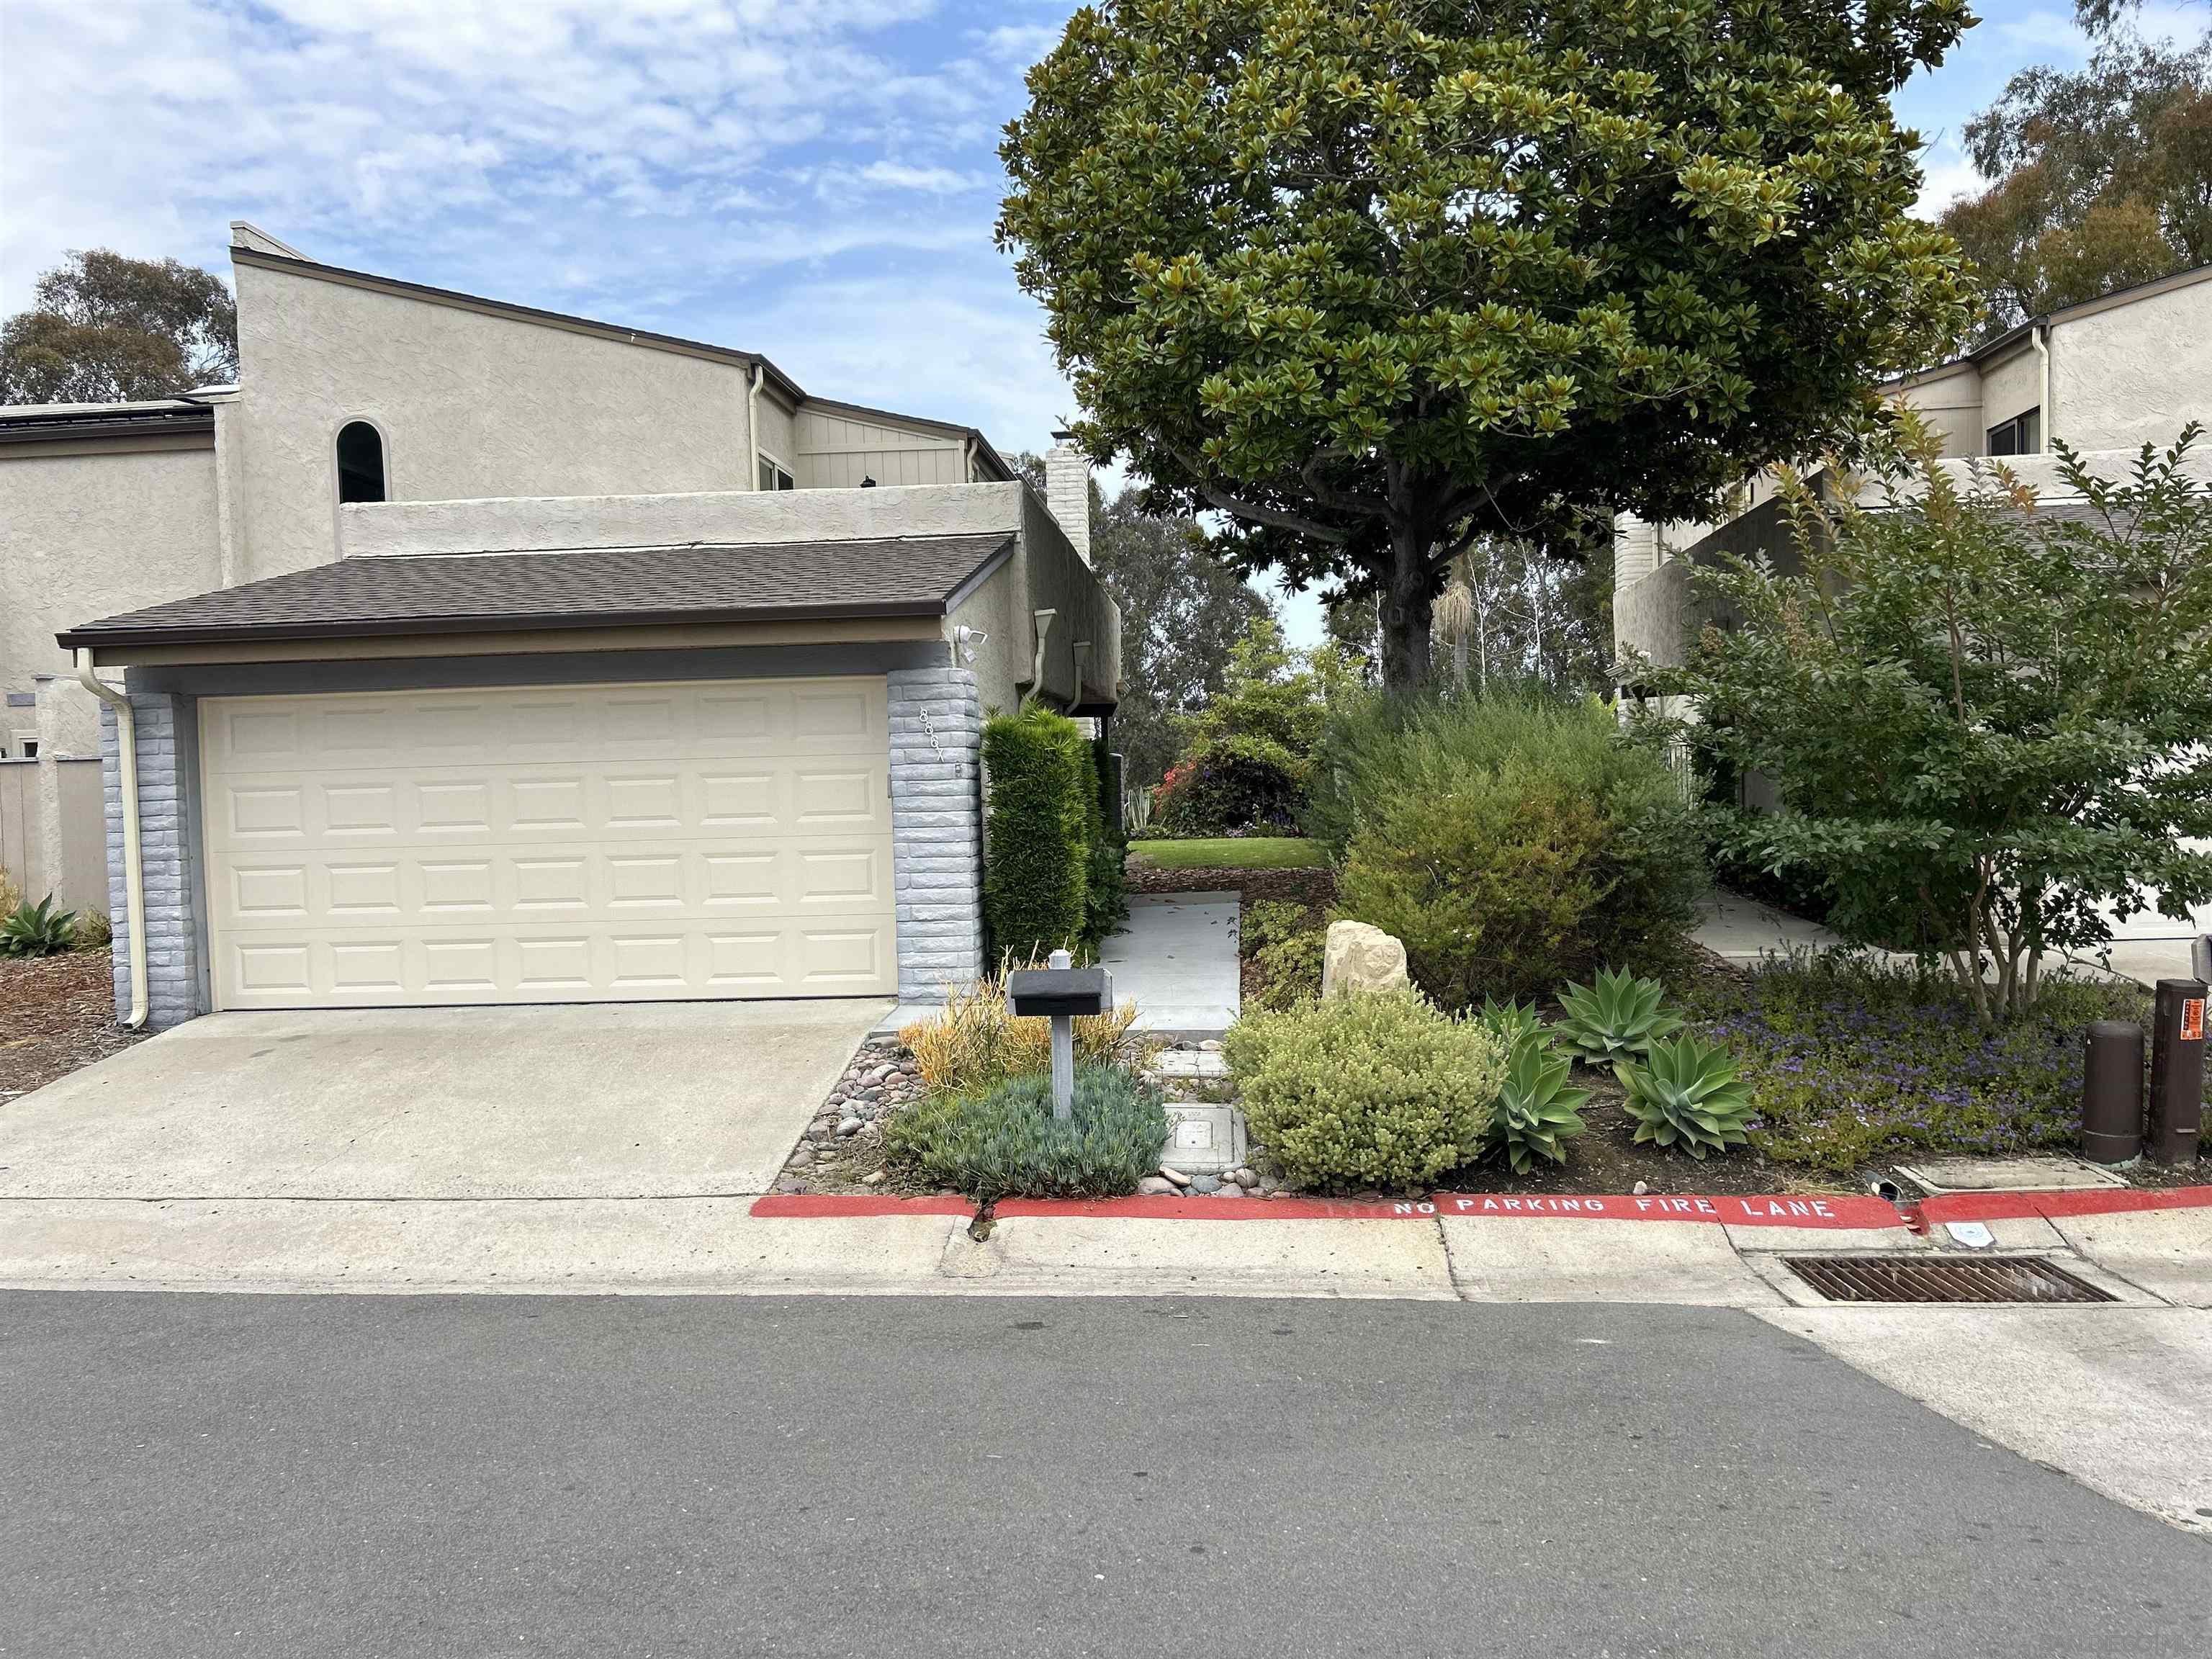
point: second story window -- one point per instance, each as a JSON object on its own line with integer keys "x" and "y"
{"x": 772, "y": 476}
{"x": 2021, "y": 435}
{"x": 361, "y": 463}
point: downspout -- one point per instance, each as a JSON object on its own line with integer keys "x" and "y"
{"x": 752, "y": 422}
{"x": 134, "y": 867}
{"x": 1036, "y": 666}
{"x": 2042, "y": 337}
{"x": 967, "y": 459}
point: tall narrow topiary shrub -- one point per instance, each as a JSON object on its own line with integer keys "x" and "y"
{"x": 1035, "y": 874}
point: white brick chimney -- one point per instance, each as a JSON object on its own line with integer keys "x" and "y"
{"x": 1067, "y": 490}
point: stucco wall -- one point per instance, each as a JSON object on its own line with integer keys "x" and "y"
{"x": 524, "y": 524}
{"x": 2009, "y": 387}
{"x": 2136, "y": 374}
{"x": 777, "y": 439}
{"x": 1950, "y": 401}
{"x": 1004, "y": 656}
{"x": 471, "y": 405}
{"x": 87, "y": 530}
{"x": 1054, "y": 577}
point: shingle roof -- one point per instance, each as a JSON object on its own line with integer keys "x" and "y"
{"x": 33, "y": 423}
{"x": 453, "y": 593}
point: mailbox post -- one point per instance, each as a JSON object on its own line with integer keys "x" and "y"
{"x": 1060, "y": 993}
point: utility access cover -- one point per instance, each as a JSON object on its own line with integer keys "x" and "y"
{"x": 1942, "y": 1278}
{"x": 1203, "y": 1139}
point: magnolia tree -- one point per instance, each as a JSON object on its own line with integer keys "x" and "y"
{"x": 1984, "y": 715}
{"x": 1376, "y": 278}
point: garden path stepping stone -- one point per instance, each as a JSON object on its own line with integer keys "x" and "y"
{"x": 1196, "y": 1063}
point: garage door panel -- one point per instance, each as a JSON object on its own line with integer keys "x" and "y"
{"x": 432, "y": 848}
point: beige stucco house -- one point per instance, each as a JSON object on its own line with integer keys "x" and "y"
{"x": 2104, "y": 377}
{"x": 468, "y": 653}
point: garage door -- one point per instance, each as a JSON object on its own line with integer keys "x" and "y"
{"x": 642, "y": 842}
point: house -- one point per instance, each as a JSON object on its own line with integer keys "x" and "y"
{"x": 2105, "y": 377}
{"x": 473, "y": 653}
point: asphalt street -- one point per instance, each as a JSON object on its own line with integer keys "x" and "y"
{"x": 273, "y": 1475}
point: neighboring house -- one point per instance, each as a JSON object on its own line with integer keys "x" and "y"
{"x": 479, "y": 654}
{"x": 2105, "y": 377}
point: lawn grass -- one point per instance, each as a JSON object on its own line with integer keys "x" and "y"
{"x": 1233, "y": 852}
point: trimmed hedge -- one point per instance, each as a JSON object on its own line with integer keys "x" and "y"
{"x": 1051, "y": 880}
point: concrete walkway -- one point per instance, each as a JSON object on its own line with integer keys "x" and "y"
{"x": 1175, "y": 958}
{"x": 1746, "y": 932}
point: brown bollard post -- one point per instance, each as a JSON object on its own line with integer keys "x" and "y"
{"x": 2176, "y": 1071}
{"x": 2111, "y": 1092}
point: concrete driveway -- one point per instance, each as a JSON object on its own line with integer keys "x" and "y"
{"x": 661, "y": 1101}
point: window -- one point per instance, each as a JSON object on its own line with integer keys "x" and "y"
{"x": 2021, "y": 435}
{"x": 361, "y": 463}
{"x": 27, "y": 748}
{"x": 772, "y": 476}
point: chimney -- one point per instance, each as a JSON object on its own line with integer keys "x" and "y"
{"x": 1067, "y": 490}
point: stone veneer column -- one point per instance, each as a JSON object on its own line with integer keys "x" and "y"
{"x": 937, "y": 830}
{"x": 172, "y": 964}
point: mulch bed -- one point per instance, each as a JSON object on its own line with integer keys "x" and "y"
{"x": 56, "y": 1014}
{"x": 1316, "y": 889}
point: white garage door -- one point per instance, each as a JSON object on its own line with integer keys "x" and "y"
{"x": 552, "y": 844}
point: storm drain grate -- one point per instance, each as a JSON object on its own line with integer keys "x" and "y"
{"x": 1941, "y": 1278}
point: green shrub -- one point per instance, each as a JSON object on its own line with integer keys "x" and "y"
{"x": 38, "y": 930}
{"x": 1371, "y": 1090}
{"x": 1687, "y": 1094}
{"x": 1285, "y": 943}
{"x": 1615, "y": 1017}
{"x": 1511, "y": 841}
{"x": 1229, "y": 783}
{"x": 1035, "y": 880}
{"x": 1246, "y": 756}
{"x": 1007, "y": 1143}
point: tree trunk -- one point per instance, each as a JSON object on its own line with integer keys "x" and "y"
{"x": 1408, "y": 607}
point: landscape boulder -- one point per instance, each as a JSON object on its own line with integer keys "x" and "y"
{"x": 1360, "y": 958}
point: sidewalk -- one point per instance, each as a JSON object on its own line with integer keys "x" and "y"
{"x": 2145, "y": 1249}
{"x": 1175, "y": 958}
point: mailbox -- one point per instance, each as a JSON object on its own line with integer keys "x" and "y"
{"x": 1066, "y": 991}
{"x": 1060, "y": 993}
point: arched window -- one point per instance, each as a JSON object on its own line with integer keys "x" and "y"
{"x": 361, "y": 463}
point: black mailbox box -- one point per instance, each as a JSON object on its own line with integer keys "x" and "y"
{"x": 1059, "y": 991}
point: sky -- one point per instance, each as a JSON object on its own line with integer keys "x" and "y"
{"x": 817, "y": 181}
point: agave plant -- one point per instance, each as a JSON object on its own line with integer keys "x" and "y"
{"x": 1616, "y": 1018}
{"x": 38, "y": 930}
{"x": 1687, "y": 1094}
{"x": 1537, "y": 1113}
{"x": 1516, "y": 1024}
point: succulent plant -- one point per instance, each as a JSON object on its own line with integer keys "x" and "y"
{"x": 1516, "y": 1022}
{"x": 1615, "y": 1017}
{"x": 1537, "y": 1113}
{"x": 38, "y": 930}
{"x": 1687, "y": 1094}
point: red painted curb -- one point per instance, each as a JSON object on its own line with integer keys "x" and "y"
{"x": 1200, "y": 1207}
{"x": 2109, "y": 1200}
{"x": 1836, "y": 1211}
{"x": 1779, "y": 1211}
{"x": 818, "y": 1205}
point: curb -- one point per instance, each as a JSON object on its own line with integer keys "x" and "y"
{"x": 1843, "y": 1211}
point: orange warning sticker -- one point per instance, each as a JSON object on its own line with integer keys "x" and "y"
{"x": 2192, "y": 1020}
